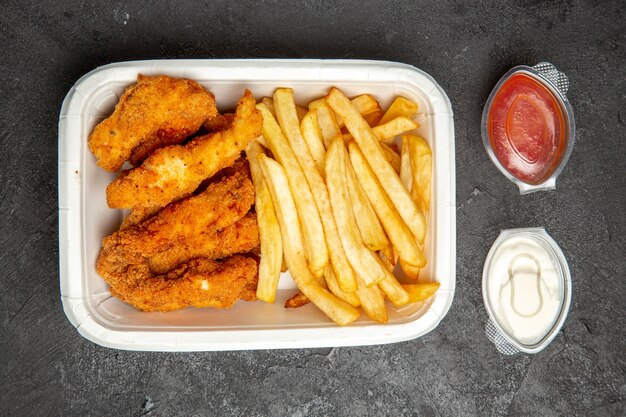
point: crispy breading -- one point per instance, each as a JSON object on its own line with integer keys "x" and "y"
{"x": 211, "y": 225}
{"x": 174, "y": 171}
{"x": 154, "y": 112}
{"x": 140, "y": 214}
{"x": 198, "y": 283}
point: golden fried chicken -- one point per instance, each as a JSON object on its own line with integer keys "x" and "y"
{"x": 155, "y": 112}
{"x": 168, "y": 261}
{"x": 174, "y": 171}
{"x": 198, "y": 283}
{"x": 142, "y": 213}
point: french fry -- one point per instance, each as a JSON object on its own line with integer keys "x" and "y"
{"x": 390, "y": 285}
{"x": 361, "y": 259}
{"x": 327, "y": 121}
{"x": 400, "y": 107}
{"x": 383, "y": 170}
{"x": 406, "y": 169}
{"x": 392, "y": 156}
{"x": 406, "y": 175}
{"x": 301, "y": 111}
{"x": 313, "y": 136}
{"x": 371, "y": 230}
{"x": 422, "y": 165}
{"x": 368, "y": 107}
{"x": 337, "y": 310}
{"x": 286, "y": 113}
{"x": 261, "y": 141}
{"x": 386, "y": 133}
{"x": 297, "y": 300}
{"x": 372, "y": 301}
{"x": 269, "y": 103}
{"x": 411, "y": 271}
{"x": 397, "y": 230}
{"x": 420, "y": 292}
{"x": 331, "y": 281}
{"x": 390, "y": 254}
{"x": 315, "y": 242}
{"x": 269, "y": 230}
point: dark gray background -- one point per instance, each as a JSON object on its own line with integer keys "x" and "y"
{"x": 48, "y": 369}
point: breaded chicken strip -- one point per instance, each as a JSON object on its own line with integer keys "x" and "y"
{"x": 211, "y": 225}
{"x": 198, "y": 283}
{"x": 154, "y": 112}
{"x": 205, "y": 217}
{"x": 175, "y": 171}
{"x": 142, "y": 213}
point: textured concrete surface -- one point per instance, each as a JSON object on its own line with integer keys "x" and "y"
{"x": 48, "y": 369}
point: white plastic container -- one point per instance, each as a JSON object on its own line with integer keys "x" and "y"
{"x": 84, "y": 218}
{"x": 545, "y": 307}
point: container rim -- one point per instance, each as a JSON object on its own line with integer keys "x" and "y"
{"x": 550, "y": 182}
{"x": 540, "y": 235}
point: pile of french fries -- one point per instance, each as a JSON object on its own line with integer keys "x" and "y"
{"x": 338, "y": 205}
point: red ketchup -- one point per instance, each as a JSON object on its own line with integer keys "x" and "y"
{"x": 526, "y": 129}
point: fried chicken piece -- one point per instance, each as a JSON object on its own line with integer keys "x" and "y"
{"x": 174, "y": 171}
{"x": 204, "y": 217}
{"x": 198, "y": 283}
{"x": 154, "y": 112}
{"x": 242, "y": 236}
{"x": 144, "y": 257}
{"x": 219, "y": 122}
{"x": 140, "y": 214}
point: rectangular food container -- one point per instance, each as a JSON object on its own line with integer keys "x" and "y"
{"x": 84, "y": 218}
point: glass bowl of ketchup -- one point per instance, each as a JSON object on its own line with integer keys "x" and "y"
{"x": 528, "y": 126}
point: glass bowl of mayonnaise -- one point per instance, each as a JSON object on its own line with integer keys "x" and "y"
{"x": 526, "y": 289}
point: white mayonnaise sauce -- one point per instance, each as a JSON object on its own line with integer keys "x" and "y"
{"x": 525, "y": 289}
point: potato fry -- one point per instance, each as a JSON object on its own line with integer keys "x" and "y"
{"x": 315, "y": 242}
{"x": 372, "y": 301}
{"x": 261, "y": 141}
{"x": 397, "y": 230}
{"x": 400, "y": 107}
{"x": 301, "y": 111}
{"x": 368, "y": 107}
{"x": 392, "y": 156}
{"x": 285, "y": 111}
{"x": 313, "y": 137}
{"x": 371, "y": 230}
{"x": 383, "y": 170}
{"x": 337, "y": 310}
{"x": 422, "y": 165}
{"x": 297, "y": 300}
{"x": 411, "y": 271}
{"x": 390, "y": 255}
{"x": 387, "y": 133}
{"x": 406, "y": 169}
{"x": 269, "y": 103}
{"x": 331, "y": 281}
{"x": 271, "y": 242}
{"x": 390, "y": 285}
{"x": 327, "y": 121}
{"x": 361, "y": 259}
{"x": 420, "y": 292}
{"x": 406, "y": 175}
